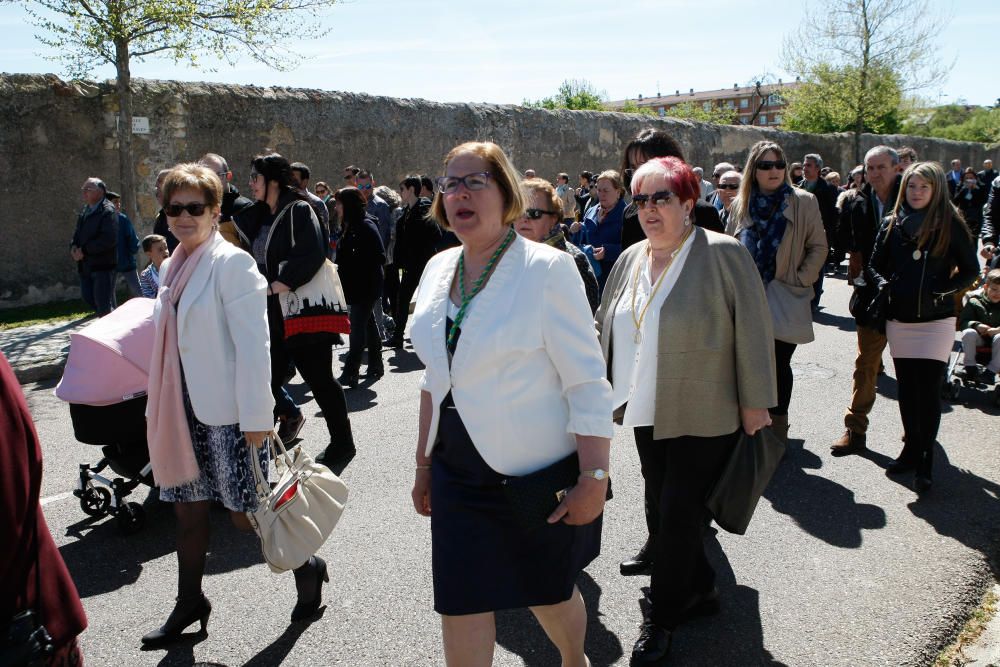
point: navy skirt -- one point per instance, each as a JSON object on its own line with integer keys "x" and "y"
{"x": 482, "y": 559}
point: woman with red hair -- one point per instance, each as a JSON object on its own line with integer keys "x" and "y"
{"x": 687, "y": 337}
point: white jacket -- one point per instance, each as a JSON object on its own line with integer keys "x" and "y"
{"x": 528, "y": 372}
{"x": 223, "y": 338}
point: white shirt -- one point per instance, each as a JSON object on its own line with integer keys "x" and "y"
{"x": 633, "y": 366}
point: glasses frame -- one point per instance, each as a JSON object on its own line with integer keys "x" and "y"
{"x": 660, "y": 199}
{"x": 768, "y": 165}
{"x": 194, "y": 209}
{"x": 537, "y": 213}
{"x": 456, "y": 181}
{"x": 727, "y": 186}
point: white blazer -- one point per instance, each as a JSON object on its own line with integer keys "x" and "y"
{"x": 528, "y": 372}
{"x": 223, "y": 338}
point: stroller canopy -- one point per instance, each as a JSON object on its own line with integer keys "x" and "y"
{"x": 109, "y": 359}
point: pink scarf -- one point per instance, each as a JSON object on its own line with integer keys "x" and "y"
{"x": 167, "y": 430}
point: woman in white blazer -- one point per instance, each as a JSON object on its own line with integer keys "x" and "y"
{"x": 212, "y": 336}
{"x": 514, "y": 384}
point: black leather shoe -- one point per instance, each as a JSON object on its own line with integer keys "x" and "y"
{"x": 184, "y": 614}
{"x": 637, "y": 565}
{"x": 394, "y": 342}
{"x": 305, "y": 609}
{"x": 652, "y": 646}
{"x": 900, "y": 466}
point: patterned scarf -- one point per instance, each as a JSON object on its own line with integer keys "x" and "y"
{"x": 763, "y": 237}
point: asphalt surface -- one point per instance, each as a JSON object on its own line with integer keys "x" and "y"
{"x": 841, "y": 565}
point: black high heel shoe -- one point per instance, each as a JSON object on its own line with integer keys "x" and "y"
{"x": 348, "y": 379}
{"x": 304, "y": 610}
{"x": 178, "y": 621}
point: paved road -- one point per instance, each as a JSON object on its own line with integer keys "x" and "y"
{"x": 842, "y": 566}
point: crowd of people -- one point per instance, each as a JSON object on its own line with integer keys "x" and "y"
{"x": 635, "y": 298}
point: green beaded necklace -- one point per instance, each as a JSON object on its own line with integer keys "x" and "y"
{"x": 476, "y": 286}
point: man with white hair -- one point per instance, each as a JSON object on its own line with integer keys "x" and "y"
{"x": 706, "y": 188}
{"x": 717, "y": 172}
{"x": 94, "y": 247}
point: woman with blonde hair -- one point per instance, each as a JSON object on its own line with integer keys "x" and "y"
{"x": 782, "y": 229}
{"x": 514, "y": 385}
{"x": 923, "y": 255}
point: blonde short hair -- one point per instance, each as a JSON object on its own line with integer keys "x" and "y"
{"x": 615, "y": 178}
{"x": 501, "y": 170}
{"x": 193, "y": 176}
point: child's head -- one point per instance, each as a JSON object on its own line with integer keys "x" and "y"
{"x": 993, "y": 286}
{"x": 155, "y": 247}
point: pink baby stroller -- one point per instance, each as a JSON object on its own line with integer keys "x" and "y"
{"x": 105, "y": 382}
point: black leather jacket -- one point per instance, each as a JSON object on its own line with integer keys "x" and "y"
{"x": 990, "y": 231}
{"x": 922, "y": 287}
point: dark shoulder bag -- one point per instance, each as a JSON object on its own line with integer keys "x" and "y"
{"x": 26, "y": 642}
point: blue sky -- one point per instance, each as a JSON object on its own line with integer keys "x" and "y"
{"x": 461, "y": 51}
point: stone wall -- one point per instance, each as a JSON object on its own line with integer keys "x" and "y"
{"x": 54, "y": 134}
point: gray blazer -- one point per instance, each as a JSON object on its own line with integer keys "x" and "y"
{"x": 715, "y": 351}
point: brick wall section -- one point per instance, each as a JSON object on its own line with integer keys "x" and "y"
{"x": 54, "y": 134}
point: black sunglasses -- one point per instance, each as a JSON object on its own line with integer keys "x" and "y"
{"x": 194, "y": 209}
{"x": 768, "y": 165}
{"x": 728, "y": 186}
{"x": 536, "y": 213}
{"x": 657, "y": 199}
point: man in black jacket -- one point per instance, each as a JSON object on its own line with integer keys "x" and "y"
{"x": 988, "y": 174}
{"x": 417, "y": 239}
{"x": 95, "y": 247}
{"x": 990, "y": 231}
{"x": 861, "y": 217}
{"x": 826, "y": 196}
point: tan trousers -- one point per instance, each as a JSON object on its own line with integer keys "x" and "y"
{"x": 871, "y": 344}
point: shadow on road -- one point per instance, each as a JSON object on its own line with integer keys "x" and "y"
{"x": 821, "y": 507}
{"x": 102, "y": 559}
{"x": 830, "y": 320}
{"x": 405, "y": 361}
{"x": 520, "y": 633}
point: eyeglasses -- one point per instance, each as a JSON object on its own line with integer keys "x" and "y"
{"x": 536, "y": 213}
{"x": 768, "y": 165}
{"x": 658, "y": 199}
{"x": 253, "y": 176}
{"x": 472, "y": 182}
{"x": 366, "y": 186}
{"x": 194, "y": 209}
{"x": 321, "y": 191}
{"x": 728, "y": 186}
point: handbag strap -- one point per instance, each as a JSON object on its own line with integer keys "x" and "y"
{"x": 274, "y": 225}
{"x": 260, "y": 479}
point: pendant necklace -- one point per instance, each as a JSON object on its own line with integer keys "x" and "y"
{"x": 638, "y": 318}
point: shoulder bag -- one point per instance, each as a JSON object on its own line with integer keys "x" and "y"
{"x": 296, "y": 517}
{"x": 747, "y": 473}
{"x": 318, "y": 306}
{"x": 791, "y": 311}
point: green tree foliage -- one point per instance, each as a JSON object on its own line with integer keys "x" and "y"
{"x": 87, "y": 33}
{"x": 630, "y": 106}
{"x": 694, "y": 111}
{"x": 576, "y": 94}
{"x": 833, "y": 99}
{"x": 856, "y": 51}
{"x": 958, "y": 122}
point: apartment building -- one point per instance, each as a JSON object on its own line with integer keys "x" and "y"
{"x": 760, "y": 105}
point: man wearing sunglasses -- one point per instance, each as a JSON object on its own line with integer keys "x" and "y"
{"x": 725, "y": 191}
{"x": 720, "y": 169}
{"x": 94, "y": 247}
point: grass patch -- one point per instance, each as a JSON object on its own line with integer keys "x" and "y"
{"x": 13, "y": 318}
{"x": 954, "y": 655}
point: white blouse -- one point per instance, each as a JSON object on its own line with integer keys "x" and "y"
{"x": 633, "y": 365}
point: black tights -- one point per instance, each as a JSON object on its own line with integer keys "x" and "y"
{"x": 918, "y": 384}
{"x": 783, "y": 369}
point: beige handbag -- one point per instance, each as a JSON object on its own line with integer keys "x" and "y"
{"x": 295, "y": 518}
{"x": 791, "y": 311}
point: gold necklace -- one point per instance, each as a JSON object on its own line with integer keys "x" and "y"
{"x": 637, "y": 320}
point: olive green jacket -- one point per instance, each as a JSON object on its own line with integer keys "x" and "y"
{"x": 716, "y": 346}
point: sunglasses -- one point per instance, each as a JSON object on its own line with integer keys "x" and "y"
{"x": 536, "y": 213}
{"x": 728, "y": 186}
{"x": 366, "y": 186}
{"x": 194, "y": 209}
{"x": 658, "y": 199}
{"x": 768, "y": 165}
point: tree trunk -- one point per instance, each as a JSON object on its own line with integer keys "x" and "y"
{"x": 126, "y": 172}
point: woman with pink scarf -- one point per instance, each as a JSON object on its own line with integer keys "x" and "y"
{"x": 210, "y": 406}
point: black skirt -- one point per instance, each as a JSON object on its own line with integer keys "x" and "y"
{"x": 482, "y": 559}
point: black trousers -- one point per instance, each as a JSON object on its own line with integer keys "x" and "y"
{"x": 389, "y": 288}
{"x": 783, "y": 369}
{"x": 407, "y": 288}
{"x": 364, "y": 334}
{"x": 917, "y": 382}
{"x": 682, "y": 472}
{"x": 314, "y": 362}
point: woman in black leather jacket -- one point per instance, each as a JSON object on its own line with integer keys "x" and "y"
{"x": 924, "y": 254}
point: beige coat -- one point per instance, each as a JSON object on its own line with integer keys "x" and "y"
{"x": 715, "y": 351}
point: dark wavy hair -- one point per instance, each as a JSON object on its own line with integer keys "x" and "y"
{"x": 353, "y": 203}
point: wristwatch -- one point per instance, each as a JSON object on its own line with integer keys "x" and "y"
{"x": 596, "y": 473}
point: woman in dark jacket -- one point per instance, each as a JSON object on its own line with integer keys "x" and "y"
{"x": 30, "y": 579}
{"x": 969, "y": 199}
{"x": 288, "y": 244}
{"x": 601, "y": 235}
{"x": 923, "y": 255}
{"x": 360, "y": 257}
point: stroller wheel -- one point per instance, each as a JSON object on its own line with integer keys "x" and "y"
{"x": 95, "y": 501}
{"x": 131, "y": 518}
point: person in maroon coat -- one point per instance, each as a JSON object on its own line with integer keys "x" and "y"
{"x": 50, "y": 592}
